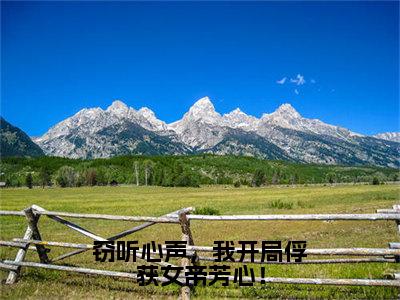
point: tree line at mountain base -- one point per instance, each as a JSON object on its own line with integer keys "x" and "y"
{"x": 180, "y": 171}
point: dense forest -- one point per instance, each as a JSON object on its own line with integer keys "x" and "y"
{"x": 180, "y": 171}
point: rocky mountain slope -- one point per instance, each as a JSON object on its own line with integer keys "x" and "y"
{"x": 15, "y": 142}
{"x": 97, "y": 133}
{"x": 389, "y": 136}
{"x": 283, "y": 134}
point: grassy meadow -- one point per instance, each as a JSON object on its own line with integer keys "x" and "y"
{"x": 156, "y": 201}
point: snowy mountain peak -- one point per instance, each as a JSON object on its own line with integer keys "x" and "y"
{"x": 235, "y": 112}
{"x": 203, "y": 104}
{"x": 204, "y": 110}
{"x": 238, "y": 119}
{"x": 202, "y": 114}
{"x": 152, "y": 122}
{"x": 287, "y": 110}
{"x": 118, "y": 107}
{"x": 147, "y": 113}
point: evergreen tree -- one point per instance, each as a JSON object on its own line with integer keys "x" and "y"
{"x": 44, "y": 176}
{"x": 29, "y": 180}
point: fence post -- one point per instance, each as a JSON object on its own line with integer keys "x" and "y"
{"x": 188, "y": 238}
{"x": 33, "y": 224}
{"x": 13, "y": 275}
{"x": 396, "y": 207}
{"x": 397, "y": 257}
{"x": 32, "y": 232}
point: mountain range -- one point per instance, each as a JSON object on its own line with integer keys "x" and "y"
{"x": 283, "y": 134}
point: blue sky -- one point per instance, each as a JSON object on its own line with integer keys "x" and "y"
{"x": 59, "y": 57}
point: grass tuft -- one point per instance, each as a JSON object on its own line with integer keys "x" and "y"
{"x": 278, "y": 204}
{"x": 207, "y": 210}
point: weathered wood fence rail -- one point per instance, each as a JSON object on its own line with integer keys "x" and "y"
{"x": 32, "y": 240}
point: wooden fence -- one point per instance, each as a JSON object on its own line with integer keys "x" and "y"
{"x": 32, "y": 240}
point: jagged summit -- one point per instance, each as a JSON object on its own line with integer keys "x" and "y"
{"x": 202, "y": 107}
{"x": 152, "y": 123}
{"x": 194, "y": 127}
{"x": 285, "y": 111}
{"x": 204, "y": 102}
{"x": 147, "y": 112}
{"x": 238, "y": 119}
{"x": 288, "y": 110}
{"x": 118, "y": 107}
{"x": 236, "y": 111}
{"x": 117, "y": 104}
{"x": 202, "y": 110}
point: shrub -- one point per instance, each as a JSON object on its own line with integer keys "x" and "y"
{"x": 375, "y": 181}
{"x": 186, "y": 180}
{"x": 207, "y": 210}
{"x": 259, "y": 178}
{"x": 66, "y": 177}
{"x": 236, "y": 184}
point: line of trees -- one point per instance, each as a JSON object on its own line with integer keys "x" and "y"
{"x": 67, "y": 176}
{"x": 180, "y": 171}
{"x": 142, "y": 174}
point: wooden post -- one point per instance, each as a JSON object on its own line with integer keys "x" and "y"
{"x": 394, "y": 246}
{"x": 32, "y": 223}
{"x": 396, "y": 257}
{"x": 396, "y": 208}
{"x": 13, "y": 275}
{"x": 32, "y": 232}
{"x": 188, "y": 238}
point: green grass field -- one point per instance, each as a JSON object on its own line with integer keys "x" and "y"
{"x": 156, "y": 201}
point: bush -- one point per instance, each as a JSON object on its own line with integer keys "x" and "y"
{"x": 66, "y": 177}
{"x": 207, "y": 210}
{"x": 186, "y": 180}
{"x": 259, "y": 178}
{"x": 278, "y": 204}
{"x": 375, "y": 181}
{"x": 236, "y": 184}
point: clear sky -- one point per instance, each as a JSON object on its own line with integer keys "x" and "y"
{"x": 340, "y": 59}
